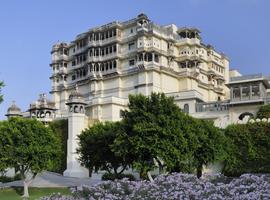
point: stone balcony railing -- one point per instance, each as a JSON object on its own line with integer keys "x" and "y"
{"x": 103, "y": 42}
{"x": 212, "y": 106}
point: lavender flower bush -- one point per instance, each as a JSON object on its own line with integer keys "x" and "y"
{"x": 176, "y": 186}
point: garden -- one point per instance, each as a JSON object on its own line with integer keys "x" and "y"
{"x": 154, "y": 135}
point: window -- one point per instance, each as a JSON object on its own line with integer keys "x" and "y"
{"x": 156, "y": 58}
{"x": 236, "y": 92}
{"x": 73, "y": 63}
{"x": 245, "y": 92}
{"x": 131, "y": 30}
{"x": 131, "y": 45}
{"x": 73, "y": 77}
{"x": 255, "y": 90}
{"x": 131, "y": 62}
{"x": 186, "y": 108}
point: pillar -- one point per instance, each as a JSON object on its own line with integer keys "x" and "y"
{"x": 75, "y": 127}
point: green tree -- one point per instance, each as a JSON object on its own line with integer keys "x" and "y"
{"x": 248, "y": 148}
{"x": 1, "y": 86}
{"x": 29, "y": 147}
{"x": 60, "y": 129}
{"x": 264, "y": 112}
{"x": 210, "y": 145}
{"x": 95, "y": 148}
{"x": 155, "y": 129}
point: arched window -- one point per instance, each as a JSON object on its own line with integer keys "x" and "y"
{"x": 76, "y": 109}
{"x": 81, "y": 109}
{"x": 186, "y": 108}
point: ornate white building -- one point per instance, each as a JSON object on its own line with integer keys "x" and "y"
{"x": 93, "y": 75}
{"x": 137, "y": 56}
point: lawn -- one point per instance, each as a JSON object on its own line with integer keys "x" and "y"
{"x": 35, "y": 193}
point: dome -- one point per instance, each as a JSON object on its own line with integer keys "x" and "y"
{"x": 75, "y": 94}
{"x": 42, "y": 103}
{"x": 75, "y": 97}
{"x": 13, "y": 110}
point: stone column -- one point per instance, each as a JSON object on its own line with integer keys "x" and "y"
{"x": 75, "y": 126}
{"x": 250, "y": 91}
{"x": 240, "y": 92}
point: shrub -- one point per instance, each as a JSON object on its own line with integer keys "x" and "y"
{"x": 248, "y": 149}
{"x": 6, "y": 179}
{"x": 174, "y": 187}
{"x": 111, "y": 177}
{"x": 264, "y": 112}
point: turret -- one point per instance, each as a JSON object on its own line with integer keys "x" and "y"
{"x": 76, "y": 123}
{"x": 14, "y": 111}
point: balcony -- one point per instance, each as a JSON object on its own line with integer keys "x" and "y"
{"x": 194, "y": 71}
{"x": 217, "y": 106}
{"x": 94, "y": 43}
{"x": 63, "y": 70}
{"x": 103, "y": 58}
{"x": 190, "y": 41}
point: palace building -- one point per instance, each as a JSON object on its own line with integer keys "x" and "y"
{"x": 93, "y": 75}
{"x": 109, "y": 62}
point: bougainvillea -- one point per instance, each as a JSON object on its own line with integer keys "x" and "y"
{"x": 174, "y": 187}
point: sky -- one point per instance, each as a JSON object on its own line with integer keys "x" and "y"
{"x": 29, "y": 28}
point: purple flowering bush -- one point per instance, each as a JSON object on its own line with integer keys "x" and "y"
{"x": 176, "y": 186}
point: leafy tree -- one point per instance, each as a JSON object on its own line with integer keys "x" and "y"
{"x": 60, "y": 129}
{"x": 248, "y": 148}
{"x": 1, "y": 86}
{"x": 29, "y": 147}
{"x": 95, "y": 148}
{"x": 155, "y": 129}
{"x": 264, "y": 112}
{"x": 210, "y": 145}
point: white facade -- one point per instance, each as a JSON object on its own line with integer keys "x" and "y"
{"x": 106, "y": 64}
{"x": 137, "y": 56}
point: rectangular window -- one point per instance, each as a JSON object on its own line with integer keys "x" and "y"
{"x": 245, "y": 92}
{"x": 131, "y": 46}
{"x": 236, "y": 93}
{"x": 73, "y": 63}
{"x": 131, "y": 62}
{"x": 255, "y": 91}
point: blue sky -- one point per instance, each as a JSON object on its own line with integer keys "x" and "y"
{"x": 29, "y": 28}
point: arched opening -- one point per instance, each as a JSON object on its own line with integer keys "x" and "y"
{"x": 42, "y": 114}
{"x": 186, "y": 108}
{"x": 76, "y": 109}
{"x": 48, "y": 114}
{"x": 243, "y": 115}
{"x": 81, "y": 109}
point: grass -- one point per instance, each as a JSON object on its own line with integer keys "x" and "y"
{"x": 34, "y": 193}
